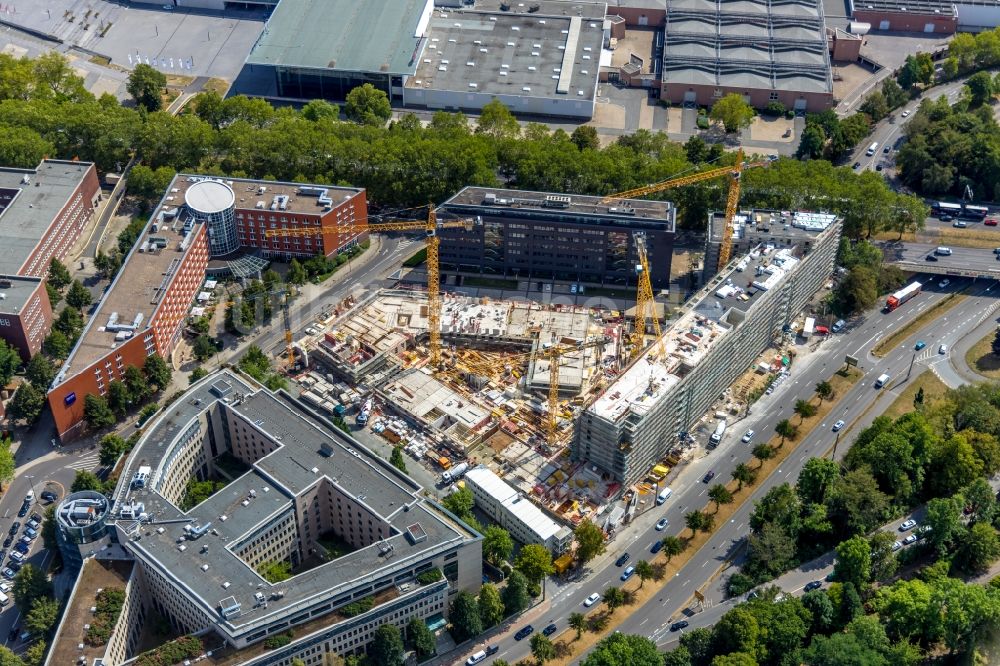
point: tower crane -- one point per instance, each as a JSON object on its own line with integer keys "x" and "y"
{"x": 430, "y": 226}
{"x": 732, "y": 201}
{"x": 644, "y": 302}
{"x": 553, "y": 354}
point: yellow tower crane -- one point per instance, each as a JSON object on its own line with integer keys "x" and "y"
{"x": 645, "y": 304}
{"x": 496, "y": 368}
{"x": 430, "y": 226}
{"x": 732, "y": 202}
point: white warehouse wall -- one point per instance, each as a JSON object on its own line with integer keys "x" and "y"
{"x": 566, "y": 107}
{"x": 978, "y": 16}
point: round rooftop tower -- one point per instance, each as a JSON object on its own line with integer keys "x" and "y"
{"x": 213, "y": 202}
{"x": 81, "y": 517}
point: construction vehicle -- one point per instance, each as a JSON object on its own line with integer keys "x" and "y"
{"x": 645, "y": 304}
{"x": 732, "y": 201}
{"x": 430, "y": 226}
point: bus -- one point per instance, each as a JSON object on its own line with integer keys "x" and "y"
{"x": 939, "y": 208}
{"x": 975, "y": 212}
{"x": 901, "y": 296}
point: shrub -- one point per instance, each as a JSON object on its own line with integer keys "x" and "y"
{"x": 430, "y": 576}
{"x": 278, "y": 640}
{"x": 168, "y": 654}
{"x": 109, "y": 607}
{"x": 739, "y": 584}
{"x": 358, "y": 607}
{"x": 703, "y": 122}
{"x": 776, "y": 109}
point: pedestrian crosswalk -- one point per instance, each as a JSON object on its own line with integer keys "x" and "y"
{"x": 89, "y": 461}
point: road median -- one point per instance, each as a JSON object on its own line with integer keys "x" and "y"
{"x": 933, "y": 312}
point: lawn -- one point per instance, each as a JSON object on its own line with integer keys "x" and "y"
{"x": 980, "y": 357}
{"x": 492, "y": 283}
{"x": 933, "y": 387}
{"x": 934, "y": 312}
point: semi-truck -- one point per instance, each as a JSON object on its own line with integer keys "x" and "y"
{"x": 366, "y": 411}
{"x": 455, "y": 473}
{"x": 901, "y": 296}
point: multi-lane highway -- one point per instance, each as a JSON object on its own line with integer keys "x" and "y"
{"x": 969, "y": 261}
{"x": 858, "y": 406}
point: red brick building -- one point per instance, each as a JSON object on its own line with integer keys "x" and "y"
{"x": 199, "y": 219}
{"x": 43, "y": 212}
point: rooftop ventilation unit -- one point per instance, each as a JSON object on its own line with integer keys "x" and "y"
{"x": 557, "y": 201}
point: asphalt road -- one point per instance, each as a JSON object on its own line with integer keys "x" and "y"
{"x": 981, "y": 260}
{"x": 653, "y": 619}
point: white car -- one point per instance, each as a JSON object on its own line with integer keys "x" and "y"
{"x": 748, "y": 436}
{"x": 943, "y": 349}
{"x": 5, "y": 588}
{"x": 944, "y": 283}
{"x": 910, "y": 539}
{"x": 591, "y": 600}
{"x": 905, "y": 114}
{"x": 838, "y": 425}
{"x": 311, "y": 331}
{"x": 661, "y": 524}
{"x": 908, "y": 524}
{"x": 896, "y": 546}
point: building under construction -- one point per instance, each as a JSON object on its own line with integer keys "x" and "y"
{"x": 642, "y": 415}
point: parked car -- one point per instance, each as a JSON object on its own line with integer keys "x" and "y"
{"x": 813, "y": 585}
{"x": 879, "y": 167}
{"x": 30, "y": 533}
{"x": 677, "y": 626}
{"x": 15, "y": 526}
{"x": 905, "y": 114}
{"x": 708, "y": 477}
{"x": 910, "y": 539}
{"x": 549, "y": 630}
{"x": 661, "y": 524}
{"x": 9, "y": 540}
{"x": 523, "y": 633}
{"x": 35, "y": 517}
{"x": 625, "y": 557}
{"x": 476, "y": 658}
{"x": 838, "y": 425}
{"x": 629, "y": 570}
{"x": 594, "y": 598}
{"x": 21, "y": 547}
{"x": 908, "y": 524}
{"x": 887, "y": 149}
{"x": 33, "y": 524}
{"x": 492, "y": 649}
{"x": 23, "y": 511}
{"x": 896, "y": 545}
{"x": 17, "y": 557}
{"x": 49, "y": 496}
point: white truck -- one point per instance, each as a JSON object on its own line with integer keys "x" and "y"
{"x": 716, "y": 437}
{"x": 808, "y": 328}
{"x": 455, "y": 473}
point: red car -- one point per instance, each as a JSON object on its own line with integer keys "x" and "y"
{"x": 990, "y": 222}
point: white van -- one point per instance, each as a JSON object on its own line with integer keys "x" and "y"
{"x": 882, "y": 380}
{"x": 871, "y": 149}
{"x": 943, "y": 251}
{"x": 4, "y": 600}
{"x": 663, "y": 495}
{"x": 476, "y": 658}
{"x": 716, "y": 437}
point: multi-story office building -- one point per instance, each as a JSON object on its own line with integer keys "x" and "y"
{"x": 637, "y": 419}
{"x": 43, "y": 211}
{"x": 538, "y": 235}
{"x": 514, "y": 512}
{"x": 199, "y": 220}
{"x": 307, "y": 484}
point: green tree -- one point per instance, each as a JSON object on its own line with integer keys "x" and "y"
{"x": 737, "y": 631}
{"x": 515, "y": 593}
{"x": 497, "y": 545}
{"x": 78, "y": 296}
{"x": 10, "y": 361}
{"x": 157, "y": 371}
{"x": 464, "y": 616}
{"x": 27, "y": 403}
{"x": 804, "y": 409}
{"x": 56, "y": 344}
{"x": 894, "y": 95}
{"x": 585, "y": 138}
{"x": 490, "y": 605}
{"x": 734, "y": 659}
{"x": 542, "y": 648}
{"x": 854, "y": 562}
{"x": 40, "y": 372}
{"x": 97, "y": 413}
{"x": 534, "y": 561}
{"x": 733, "y": 112}
{"x": 613, "y": 597}
{"x": 421, "y": 637}
{"x": 955, "y": 465}
{"x": 996, "y": 342}
{"x": 812, "y": 142}
{"x": 149, "y": 185}
{"x": 42, "y": 618}
{"x": 743, "y": 474}
{"x": 943, "y": 519}
{"x": 460, "y": 502}
{"x": 145, "y": 85}
{"x": 396, "y": 458}
{"x": 719, "y": 494}
{"x": 30, "y": 585}
{"x": 785, "y": 430}
{"x": 770, "y": 550}
{"x": 496, "y": 121}
{"x": 980, "y": 89}
{"x": 978, "y": 548}
{"x": 70, "y": 322}
{"x": 855, "y": 504}
{"x": 197, "y": 374}
{"x": 876, "y": 106}
{"x": 275, "y": 571}
{"x": 672, "y": 546}
{"x": 112, "y": 446}
{"x": 136, "y": 384}
{"x": 296, "y": 273}
{"x": 59, "y": 276}
{"x": 368, "y": 105}
{"x": 815, "y": 478}
{"x": 118, "y": 398}
{"x": 577, "y": 621}
{"x": 762, "y": 452}
{"x": 387, "y": 648}
{"x": 589, "y": 541}
{"x": 85, "y": 480}
{"x": 883, "y": 561}
{"x": 624, "y": 650}
{"x": 203, "y": 348}
{"x": 53, "y": 294}
{"x": 645, "y": 571}
{"x": 824, "y": 390}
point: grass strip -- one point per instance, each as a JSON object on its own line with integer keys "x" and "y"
{"x": 933, "y": 312}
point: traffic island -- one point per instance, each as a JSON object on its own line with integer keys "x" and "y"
{"x": 569, "y": 649}
{"x": 981, "y": 359}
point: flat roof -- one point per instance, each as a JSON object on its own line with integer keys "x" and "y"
{"x": 96, "y": 574}
{"x": 30, "y": 199}
{"x": 512, "y": 500}
{"x": 15, "y": 292}
{"x": 578, "y": 208}
{"x": 552, "y": 52}
{"x": 309, "y": 451}
{"x": 922, "y": 7}
{"x": 374, "y": 37}
{"x": 420, "y": 394}
{"x": 763, "y": 223}
{"x": 251, "y": 194}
